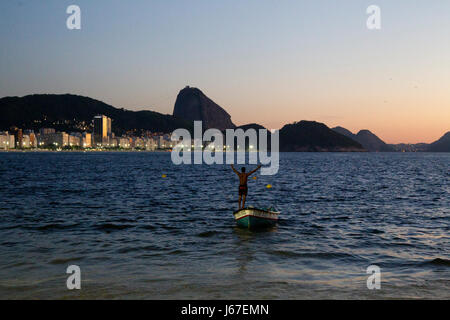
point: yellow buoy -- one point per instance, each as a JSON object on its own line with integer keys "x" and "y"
{"x": 164, "y": 176}
{"x": 254, "y": 178}
{"x": 269, "y": 186}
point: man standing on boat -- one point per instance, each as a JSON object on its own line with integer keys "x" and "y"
{"x": 243, "y": 189}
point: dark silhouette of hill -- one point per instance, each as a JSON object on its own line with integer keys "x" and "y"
{"x": 256, "y": 127}
{"x": 75, "y": 113}
{"x": 70, "y": 112}
{"x": 192, "y": 104}
{"x": 344, "y": 132}
{"x": 441, "y": 145}
{"x": 367, "y": 139}
{"x": 371, "y": 142}
{"x": 314, "y": 136}
{"x": 251, "y": 126}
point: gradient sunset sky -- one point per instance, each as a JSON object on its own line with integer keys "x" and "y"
{"x": 269, "y": 62}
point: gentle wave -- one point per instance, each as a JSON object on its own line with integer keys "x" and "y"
{"x": 318, "y": 255}
{"x": 112, "y": 226}
{"x": 54, "y": 226}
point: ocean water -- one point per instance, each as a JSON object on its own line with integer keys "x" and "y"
{"x": 136, "y": 235}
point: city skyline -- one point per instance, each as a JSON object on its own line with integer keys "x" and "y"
{"x": 308, "y": 61}
{"x": 99, "y": 137}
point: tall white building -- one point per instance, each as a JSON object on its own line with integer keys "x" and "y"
{"x": 74, "y": 140}
{"x": 6, "y": 140}
{"x": 102, "y": 130}
{"x": 150, "y": 144}
{"x": 137, "y": 143}
{"x": 87, "y": 140}
{"x": 26, "y": 141}
{"x": 124, "y": 143}
{"x": 58, "y": 139}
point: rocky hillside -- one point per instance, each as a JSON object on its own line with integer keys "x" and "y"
{"x": 192, "y": 104}
{"x": 441, "y": 145}
{"x": 75, "y": 113}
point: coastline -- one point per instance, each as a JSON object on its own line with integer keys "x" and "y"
{"x": 77, "y": 151}
{"x": 162, "y": 151}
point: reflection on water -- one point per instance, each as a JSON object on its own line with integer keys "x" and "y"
{"x": 136, "y": 235}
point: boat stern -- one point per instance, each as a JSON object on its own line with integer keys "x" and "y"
{"x": 255, "y": 218}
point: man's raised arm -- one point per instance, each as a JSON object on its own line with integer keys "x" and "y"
{"x": 232, "y": 167}
{"x": 253, "y": 171}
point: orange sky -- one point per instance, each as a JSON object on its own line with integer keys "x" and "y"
{"x": 264, "y": 61}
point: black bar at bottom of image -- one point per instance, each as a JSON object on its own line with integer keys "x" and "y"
{"x": 221, "y": 309}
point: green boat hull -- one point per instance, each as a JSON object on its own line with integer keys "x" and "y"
{"x": 255, "y": 218}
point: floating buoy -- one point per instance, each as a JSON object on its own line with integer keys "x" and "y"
{"x": 254, "y": 178}
{"x": 269, "y": 186}
{"x": 164, "y": 176}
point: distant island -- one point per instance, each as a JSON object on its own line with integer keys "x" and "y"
{"x": 315, "y": 136}
{"x": 367, "y": 139}
{"x": 374, "y": 144}
{"x": 75, "y": 114}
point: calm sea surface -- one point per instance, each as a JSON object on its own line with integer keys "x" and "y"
{"x": 137, "y": 235}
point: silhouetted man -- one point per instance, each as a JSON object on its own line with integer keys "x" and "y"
{"x": 243, "y": 189}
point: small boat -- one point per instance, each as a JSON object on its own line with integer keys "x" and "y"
{"x": 256, "y": 218}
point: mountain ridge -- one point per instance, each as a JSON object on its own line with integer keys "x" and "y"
{"x": 367, "y": 139}
{"x": 68, "y": 112}
{"x": 440, "y": 145}
{"x": 314, "y": 136}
